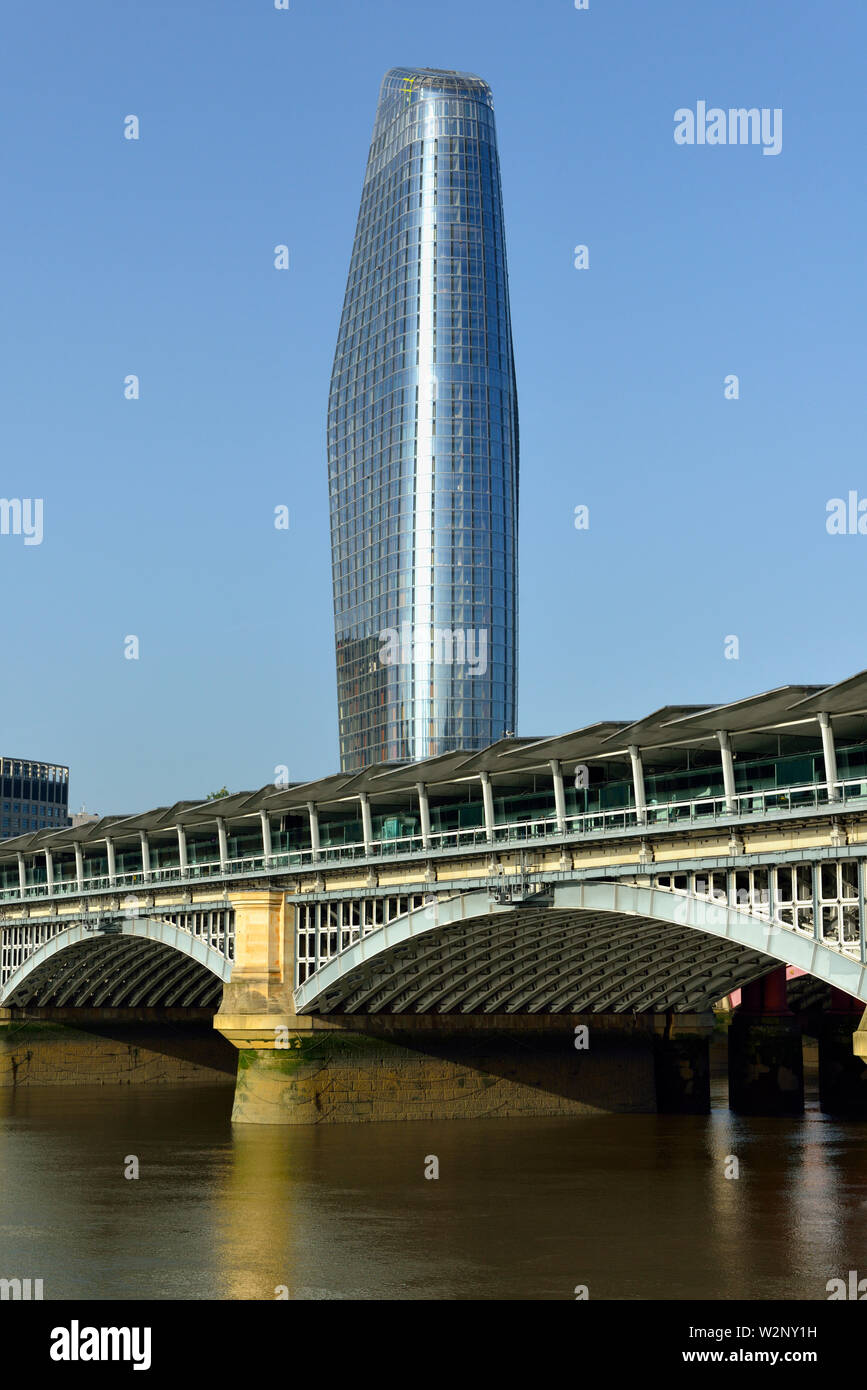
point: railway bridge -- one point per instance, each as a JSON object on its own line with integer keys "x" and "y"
{"x": 543, "y": 927}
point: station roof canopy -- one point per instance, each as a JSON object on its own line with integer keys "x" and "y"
{"x": 788, "y": 712}
{"x": 846, "y": 697}
{"x": 651, "y": 730}
{"x": 439, "y": 769}
{"x": 296, "y": 797}
{"x": 488, "y": 759}
{"x": 756, "y": 712}
{"x": 339, "y": 786}
{"x": 238, "y": 804}
{"x": 581, "y": 743}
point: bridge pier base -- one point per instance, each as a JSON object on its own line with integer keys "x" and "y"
{"x": 349, "y": 1069}
{"x": 842, "y": 1072}
{"x": 765, "y": 1060}
{"x": 436, "y": 1068}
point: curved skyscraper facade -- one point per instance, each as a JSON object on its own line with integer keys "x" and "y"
{"x": 423, "y": 436}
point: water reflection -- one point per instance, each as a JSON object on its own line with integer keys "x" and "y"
{"x": 633, "y": 1206}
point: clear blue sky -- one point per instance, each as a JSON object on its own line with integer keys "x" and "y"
{"x": 156, "y": 258}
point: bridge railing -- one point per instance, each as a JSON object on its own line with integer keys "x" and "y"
{"x": 519, "y": 832}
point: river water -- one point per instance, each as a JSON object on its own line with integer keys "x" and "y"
{"x": 633, "y": 1207}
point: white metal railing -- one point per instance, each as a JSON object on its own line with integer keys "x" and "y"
{"x": 517, "y": 832}
{"x": 838, "y": 924}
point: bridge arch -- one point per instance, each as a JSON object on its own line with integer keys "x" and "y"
{"x": 584, "y": 947}
{"x": 145, "y": 961}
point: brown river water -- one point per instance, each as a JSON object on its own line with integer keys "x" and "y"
{"x": 632, "y": 1206}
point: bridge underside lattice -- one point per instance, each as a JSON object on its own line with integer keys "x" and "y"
{"x": 542, "y": 961}
{"x": 115, "y": 971}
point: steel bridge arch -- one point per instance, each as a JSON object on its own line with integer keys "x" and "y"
{"x": 638, "y": 949}
{"x": 62, "y": 968}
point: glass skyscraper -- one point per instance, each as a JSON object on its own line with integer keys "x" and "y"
{"x": 423, "y": 436}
